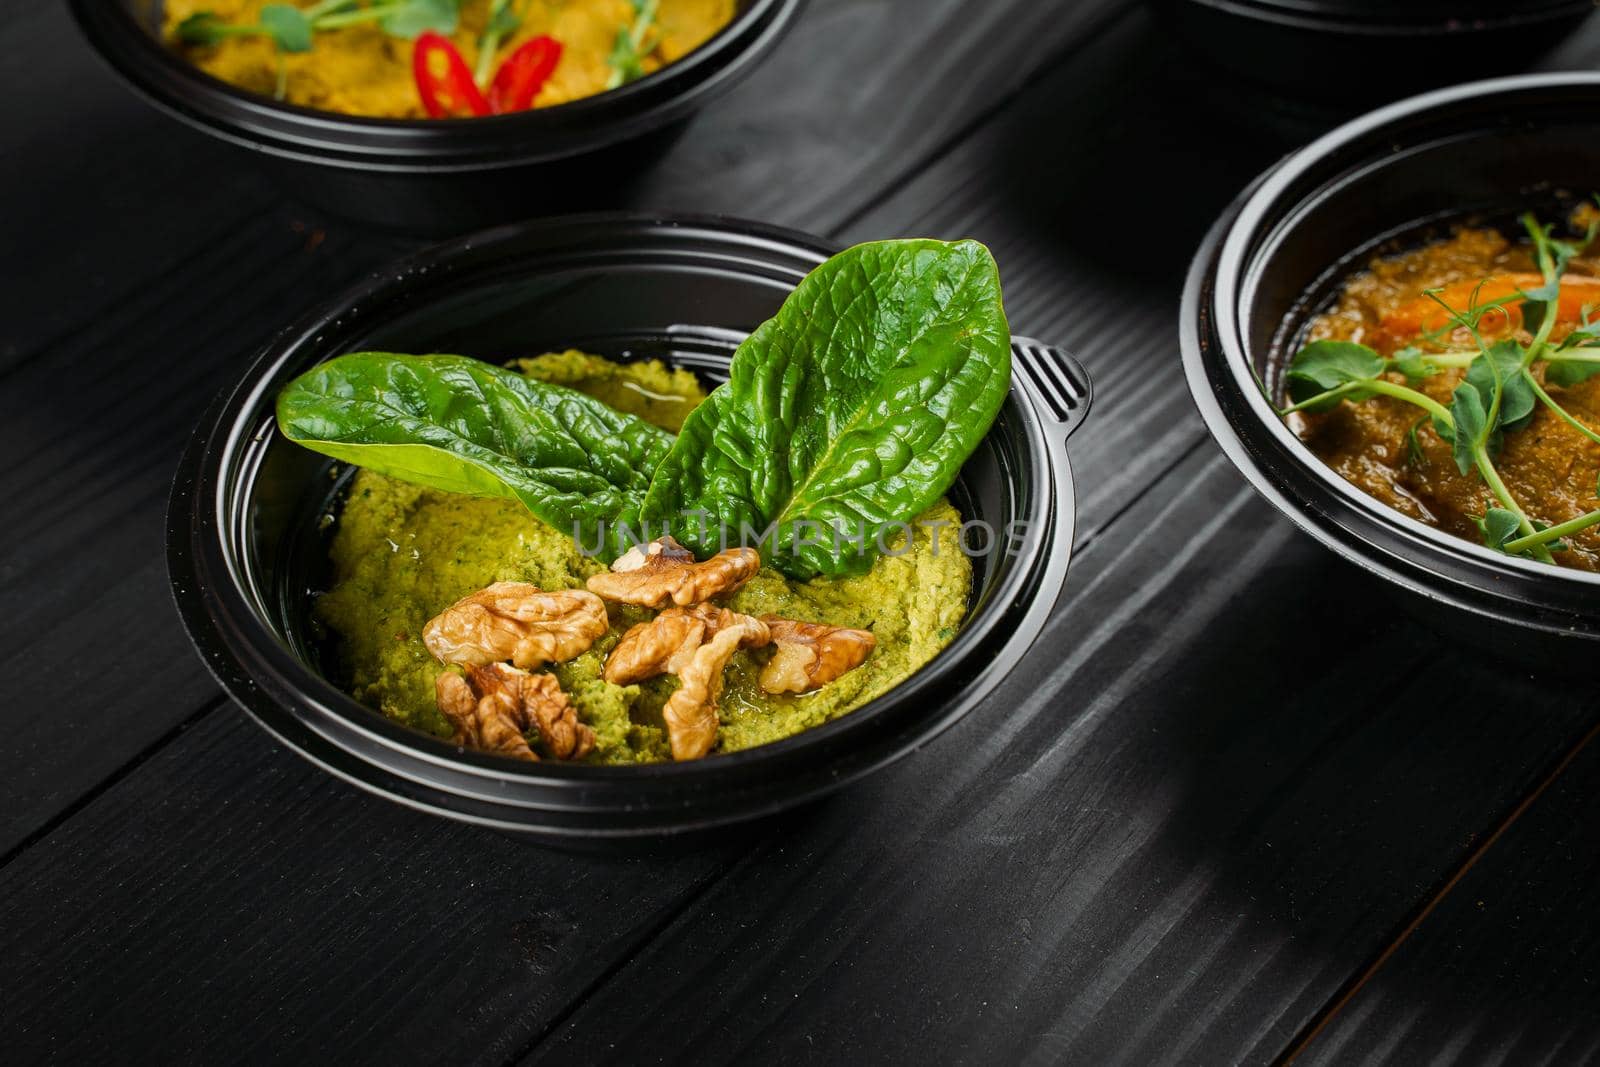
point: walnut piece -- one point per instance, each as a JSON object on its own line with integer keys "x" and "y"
{"x": 694, "y": 643}
{"x": 811, "y": 654}
{"x": 665, "y": 644}
{"x": 517, "y": 622}
{"x": 665, "y": 573}
{"x": 691, "y": 712}
{"x": 493, "y": 708}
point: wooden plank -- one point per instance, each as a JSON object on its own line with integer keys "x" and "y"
{"x": 156, "y": 263}
{"x": 1151, "y": 846}
{"x": 1505, "y": 967}
{"x": 1093, "y": 213}
{"x": 1123, "y": 839}
{"x": 110, "y": 201}
{"x": 860, "y": 97}
{"x": 826, "y": 121}
{"x": 184, "y": 272}
{"x": 86, "y": 624}
{"x": 230, "y": 902}
{"x": 1143, "y": 862}
{"x": 277, "y": 975}
{"x": 179, "y": 875}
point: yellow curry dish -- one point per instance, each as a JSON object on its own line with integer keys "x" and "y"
{"x": 1459, "y": 384}
{"x": 408, "y": 59}
{"x": 566, "y": 557}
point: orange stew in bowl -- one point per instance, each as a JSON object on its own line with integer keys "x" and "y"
{"x": 1459, "y": 383}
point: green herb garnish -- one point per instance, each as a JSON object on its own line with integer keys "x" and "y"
{"x": 1498, "y": 395}
{"x": 845, "y": 417}
{"x": 503, "y": 21}
{"x": 292, "y": 29}
{"x": 627, "y": 54}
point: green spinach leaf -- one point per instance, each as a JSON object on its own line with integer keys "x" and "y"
{"x": 462, "y": 426}
{"x": 849, "y": 412}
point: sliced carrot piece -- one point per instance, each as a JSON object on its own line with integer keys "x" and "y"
{"x": 1579, "y": 295}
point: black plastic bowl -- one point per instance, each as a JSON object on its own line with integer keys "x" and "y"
{"x": 1482, "y": 152}
{"x": 246, "y": 550}
{"x": 437, "y": 175}
{"x": 1372, "y": 50}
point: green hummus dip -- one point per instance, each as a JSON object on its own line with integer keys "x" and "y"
{"x": 401, "y": 554}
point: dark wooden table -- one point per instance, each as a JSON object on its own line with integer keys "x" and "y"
{"x": 1233, "y": 807}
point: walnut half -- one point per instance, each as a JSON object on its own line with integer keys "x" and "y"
{"x": 665, "y": 644}
{"x": 664, "y": 573}
{"x": 494, "y": 707}
{"x": 691, "y": 712}
{"x": 517, "y": 622}
{"x": 811, "y": 654}
{"x": 695, "y": 644}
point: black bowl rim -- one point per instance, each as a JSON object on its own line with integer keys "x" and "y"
{"x": 1418, "y": 24}
{"x": 287, "y": 696}
{"x": 1210, "y": 323}
{"x": 372, "y": 143}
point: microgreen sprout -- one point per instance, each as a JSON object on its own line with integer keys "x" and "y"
{"x": 627, "y": 55}
{"x": 1498, "y": 394}
{"x": 503, "y": 21}
{"x": 292, "y": 29}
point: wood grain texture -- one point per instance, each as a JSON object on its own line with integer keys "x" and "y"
{"x": 1506, "y": 968}
{"x": 1142, "y": 862}
{"x": 1126, "y": 856}
{"x": 1080, "y": 208}
{"x": 1173, "y": 836}
{"x": 229, "y": 901}
{"x": 860, "y": 97}
{"x": 94, "y": 429}
{"x": 108, "y": 198}
{"x": 193, "y": 263}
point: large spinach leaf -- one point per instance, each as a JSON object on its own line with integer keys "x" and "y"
{"x": 849, "y": 412}
{"x": 456, "y": 424}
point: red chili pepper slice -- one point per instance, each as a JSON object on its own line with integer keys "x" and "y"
{"x": 523, "y": 74}
{"x": 444, "y": 80}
